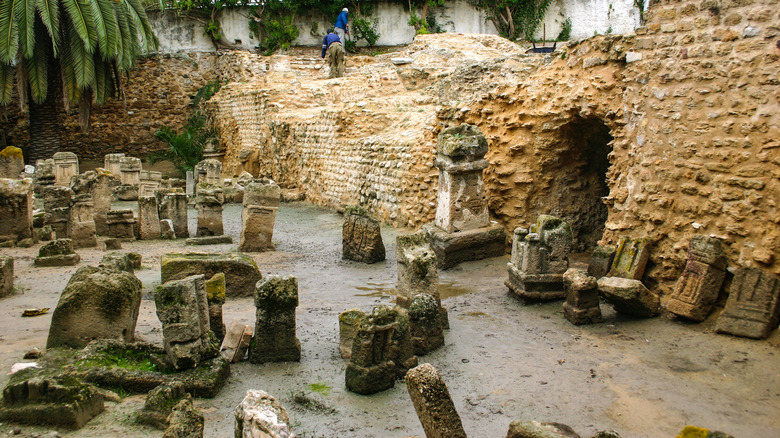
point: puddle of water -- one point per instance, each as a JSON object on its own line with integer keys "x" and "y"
{"x": 376, "y": 290}
{"x": 449, "y": 290}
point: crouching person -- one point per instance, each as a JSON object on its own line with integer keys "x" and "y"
{"x": 331, "y": 45}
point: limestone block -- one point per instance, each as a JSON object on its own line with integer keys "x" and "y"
{"x": 582, "y": 298}
{"x": 349, "y": 321}
{"x": 698, "y": 287}
{"x": 535, "y": 429}
{"x": 121, "y": 224}
{"x": 215, "y": 294}
{"x": 361, "y": 237}
{"x": 210, "y": 240}
{"x": 97, "y": 303}
{"x": 260, "y": 415}
{"x": 11, "y": 163}
{"x": 130, "y": 171}
{"x": 182, "y": 307}
{"x": 236, "y": 342}
{"x": 120, "y": 261}
{"x": 257, "y": 228}
{"x": 57, "y": 401}
{"x": 601, "y": 261}
{"x": 752, "y": 308}
{"x": 111, "y": 162}
{"x": 261, "y": 192}
{"x": 173, "y": 206}
{"x": 208, "y": 171}
{"x": 16, "y": 209}
{"x": 417, "y": 271}
{"x": 166, "y": 230}
{"x": 150, "y": 182}
{"x": 425, "y": 324}
{"x": 433, "y": 404}
{"x": 66, "y": 165}
{"x": 276, "y": 298}
{"x": 44, "y": 175}
{"x": 629, "y": 296}
{"x": 6, "y": 275}
{"x": 184, "y": 421}
{"x": 159, "y": 404}
{"x": 451, "y": 249}
{"x": 148, "y": 218}
{"x": 81, "y": 226}
{"x": 113, "y": 244}
{"x": 631, "y": 257}
{"x": 241, "y": 271}
{"x": 370, "y": 368}
{"x": 57, "y": 253}
{"x": 208, "y": 202}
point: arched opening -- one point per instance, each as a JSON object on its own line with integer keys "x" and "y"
{"x": 582, "y": 182}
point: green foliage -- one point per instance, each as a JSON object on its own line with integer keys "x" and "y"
{"x": 640, "y": 4}
{"x": 565, "y": 34}
{"x": 320, "y": 387}
{"x": 279, "y": 33}
{"x": 125, "y": 359}
{"x": 515, "y": 18}
{"x": 363, "y": 29}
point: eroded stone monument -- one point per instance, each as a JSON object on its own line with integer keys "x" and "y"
{"x": 16, "y": 209}
{"x": 44, "y": 174}
{"x": 66, "y": 164}
{"x": 630, "y": 297}
{"x": 173, "y": 205}
{"x": 57, "y": 253}
{"x": 539, "y": 259}
{"x": 150, "y": 181}
{"x": 433, "y": 404}
{"x": 631, "y": 258}
{"x": 371, "y": 368}
{"x": 260, "y": 415}
{"x": 215, "y": 294}
{"x": 752, "y": 308}
{"x": 361, "y": 237}
{"x": 462, "y": 230}
{"x": 130, "y": 178}
{"x": 208, "y": 171}
{"x": 241, "y": 271}
{"x": 698, "y": 287}
{"x": 121, "y": 224}
{"x": 582, "y": 298}
{"x": 81, "y": 226}
{"x": 98, "y": 184}
{"x": 148, "y": 218}
{"x": 208, "y": 201}
{"x": 261, "y": 201}
{"x": 276, "y": 298}
{"x": 11, "y": 162}
{"x": 56, "y": 205}
{"x": 111, "y": 162}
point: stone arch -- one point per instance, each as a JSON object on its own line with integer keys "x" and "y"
{"x": 580, "y": 183}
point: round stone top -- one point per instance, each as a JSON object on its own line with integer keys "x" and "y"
{"x": 464, "y": 141}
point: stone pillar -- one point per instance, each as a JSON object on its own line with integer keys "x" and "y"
{"x": 417, "y": 273}
{"x": 173, "y": 206}
{"x": 66, "y": 164}
{"x": 103, "y": 195}
{"x": 371, "y": 368}
{"x": 111, "y": 162}
{"x": 539, "y": 259}
{"x": 582, "y": 298}
{"x": 261, "y": 201}
{"x": 432, "y": 401}
{"x": 462, "y": 230}
{"x": 631, "y": 258}
{"x": 425, "y": 324}
{"x": 209, "y": 201}
{"x": 44, "y": 174}
{"x": 16, "y": 209}
{"x": 121, "y": 224}
{"x": 148, "y": 218}
{"x": 752, "y": 308}
{"x": 149, "y": 182}
{"x": 190, "y": 183}
{"x": 182, "y": 308}
{"x": 56, "y": 204}
{"x": 601, "y": 261}
{"x": 130, "y": 178}
{"x": 81, "y": 226}
{"x": 6, "y": 275}
{"x": 698, "y": 287}
{"x": 276, "y": 299}
{"x": 11, "y": 163}
{"x": 215, "y": 293}
{"x": 208, "y": 171}
{"x": 361, "y": 237}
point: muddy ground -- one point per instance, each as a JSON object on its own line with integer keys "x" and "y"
{"x": 502, "y": 360}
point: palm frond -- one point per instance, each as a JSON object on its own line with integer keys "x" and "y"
{"x": 6, "y": 83}
{"x": 9, "y": 35}
{"x": 127, "y": 39}
{"x": 25, "y": 17}
{"x": 37, "y": 72}
{"x": 106, "y": 26}
{"x": 138, "y": 14}
{"x": 70, "y": 88}
{"x": 82, "y": 22}
{"x": 82, "y": 62}
{"x": 49, "y": 11}
{"x": 104, "y": 83}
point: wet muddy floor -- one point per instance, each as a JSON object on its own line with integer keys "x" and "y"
{"x": 502, "y": 361}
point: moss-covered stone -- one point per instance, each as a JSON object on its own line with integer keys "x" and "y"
{"x": 241, "y": 271}
{"x": 11, "y": 152}
{"x": 215, "y": 288}
{"x": 185, "y": 421}
{"x": 461, "y": 142}
{"x": 57, "y": 247}
{"x": 160, "y": 402}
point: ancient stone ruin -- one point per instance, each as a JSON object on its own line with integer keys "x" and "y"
{"x": 129, "y": 177}
{"x": 11, "y": 163}
{"x": 433, "y": 403}
{"x": 275, "y": 299}
{"x": 57, "y": 253}
{"x": 261, "y": 200}
{"x": 31, "y": 402}
{"x": 698, "y": 287}
{"x": 208, "y": 171}
{"x": 622, "y": 286}
{"x": 81, "y": 226}
{"x": 215, "y": 294}
{"x": 260, "y": 415}
{"x": 361, "y": 237}
{"x": 236, "y": 342}
{"x": 582, "y": 298}
{"x": 112, "y": 163}
{"x": 240, "y": 270}
{"x": 148, "y": 218}
{"x": 172, "y": 205}
{"x": 56, "y": 205}
{"x": 539, "y": 259}
{"x": 208, "y": 201}
{"x": 66, "y": 165}
{"x": 121, "y": 224}
{"x": 149, "y": 182}
{"x": 462, "y": 230}
{"x": 16, "y": 210}
{"x": 6, "y": 275}
{"x": 752, "y": 308}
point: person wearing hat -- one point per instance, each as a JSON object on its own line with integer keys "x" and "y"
{"x": 332, "y": 46}
{"x": 341, "y": 26}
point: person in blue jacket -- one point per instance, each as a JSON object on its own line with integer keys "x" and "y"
{"x": 341, "y": 25}
{"x": 335, "y": 50}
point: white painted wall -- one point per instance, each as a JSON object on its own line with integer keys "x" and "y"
{"x": 588, "y": 17}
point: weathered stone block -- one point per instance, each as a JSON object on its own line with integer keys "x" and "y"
{"x": 361, "y": 237}
{"x": 535, "y": 429}
{"x": 260, "y": 415}
{"x": 629, "y": 296}
{"x": 148, "y": 218}
{"x": 236, "y": 342}
{"x": 81, "y": 226}
{"x": 425, "y": 324}
{"x": 184, "y": 421}
{"x": 582, "y": 298}
{"x": 752, "y": 308}
{"x": 208, "y": 202}
{"x": 16, "y": 209}
{"x": 601, "y": 261}
{"x": 6, "y": 275}
{"x": 112, "y": 163}
{"x": 257, "y": 229}
{"x": 97, "y": 303}
{"x": 209, "y": 240}
{"x": 159, "y": 404}
{"x": 631, "y": 257}
{"x": 166, "y": 230}
{"x": 371, "y": 368}
{"x": 11, "y": 163}
{"x": 276, "y": 299}
{"x": 417, "y": 268}
{"x": 57, "y": 253}
{"x": 241, "y": 271}
{"x": 698, "y": 287}
{"x": 66, "y": 164}
{"x": 215, "y": 293}
{"x": 121, "y": 224}
{"x": 57, "y": 401}
{"x": 433, "y": 404}
{"x": 208, "y": 171}
{"x": 173, "y": 206}
{"x": 349, "y": 322}
{"x": 454, "y": 248}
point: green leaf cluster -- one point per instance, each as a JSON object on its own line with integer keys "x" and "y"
{"x": 85, "y": 44}
{"x": 515, "y": 19}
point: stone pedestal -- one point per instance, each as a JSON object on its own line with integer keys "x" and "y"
{"x": 539, "y": 259}
{"x": 173, "y": 206}
{"x": 631, "y": 258}
{"x": 121, "y": 224}
{"x": 98, "y": 185}
{"x": 417, "y": 273}
{"x": 148, "y": 218}
{"x": 44, "y": 174}
{"x": 461, "y": 201}
{"x": 371, "y": 368}
{"x": 66, "y": 164}
{"x": 81, "y": 226}
{"x": 752, "y": 308}
{"x": 261, "y": 201}
{"x": 130, "y": 178}
{"x": 16, "y": 209}
{"x": 582, "y": 298}
{"x": 57, "y": 253}
{"x": 698, "y": 287}
{"x": 433, "y": 404}
{"x": 208, "y": 171}
{"x": 56, "y": 204}
{"x": 11, "y": 163}
{"x": 276, "y": 299}
{"x": 208, "y": 202}
{"x": 111, "y": 162}
{"x": 149, "y": 182}
{"x": 361, "y": 237}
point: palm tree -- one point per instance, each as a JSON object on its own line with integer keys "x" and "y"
{"x": 76, "y": 49}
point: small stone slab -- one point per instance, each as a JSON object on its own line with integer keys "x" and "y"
{"x": 752, "y": 308}
{"x": 58, "y": 260}
{"x": 601, "y": 261}
{"x": 236, "y": 342}
{"x": 432, "y": 401}
{"x": 209, "y": 240}
{"x": 361, "y": 237}
{"x": 535, "y": 429}
{"x": 241, "y": 271}
{"x": 582, "y": 298}
{"x": 631, "y": 258}
{"x": 629, "y": 296}
{"x": 454, "y": 248}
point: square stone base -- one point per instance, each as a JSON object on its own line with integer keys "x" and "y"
{"x": 535, "y": 287}
{"x": 577, "y": 316}
{"x": 453, "y": 248}
{"x": 371, "y": 379}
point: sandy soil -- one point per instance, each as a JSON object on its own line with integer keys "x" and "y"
{"x": 502, "y": 360}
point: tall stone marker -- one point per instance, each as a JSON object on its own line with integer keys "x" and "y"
{"x": 173, "y": 205}
{"x": 150, "y": 182}
{"x": 361, "y": 237}
{"x": 66, "y": 164}
{"x": 111, "y": 162}
{"x": 371, "y": 368}
{"x": 208, "y": 201}
{"x": 698, "y": 287}
{"x": 630, "y": 258}
{"x": 208, "y": 171}
{"x": 276, "y": 299}
{"x": 81, "y": 226}
{"x": 121, "y": 224}
{"x": 11, "y": 162}
{"x": 539, "y": 259}
{"x": 16, "y": 209}
{"x": 462, "y": 230}
{"x": 261, "y": 201}
{"x": 148, "y": 218}
{"x": 752, "y": 308}
{"x": 130, "y": 178}
{"x": 432, "y": 401}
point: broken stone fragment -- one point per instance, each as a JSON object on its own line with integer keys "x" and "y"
{"x": 582, "y": 298}
{"x": 241, "y": 271}
{"x": 159, "y": 404}
{"x": 535, "y": 429}
{"x": 629, "y": 296}
{"x": 260, "y": 415}
{"x": 215, "y": 292}
{"x": 752, "y": 308}
{"x": 6, "y": 275}
{"x": 349, "y": 321}
{"x": 425, "y": 324}
{"x": 371, "y": 367}
{"x": 361, "y": 237}
{"x": 185, "y": 421}
{"x": 236, "y": 342}
{"x": 433, "y": 404}
{"x": 631, "y": 257}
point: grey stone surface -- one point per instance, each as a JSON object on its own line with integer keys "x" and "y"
{"x": 241, "y": 271}
{"x": 276, "y": 298}
{"x": 433, "y": 404}
{"x": 260, "y": 415}
{"x": 629, "y": 296}
{"x": 361, "y": 237}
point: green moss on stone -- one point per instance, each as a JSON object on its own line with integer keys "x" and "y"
{"x": 215, "y": 288}
{"x": 11, "y": 152}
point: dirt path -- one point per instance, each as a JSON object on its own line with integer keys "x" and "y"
{"x": 502, "y": 360}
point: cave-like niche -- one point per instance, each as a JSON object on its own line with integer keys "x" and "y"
{"x": 582, "y": 181}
